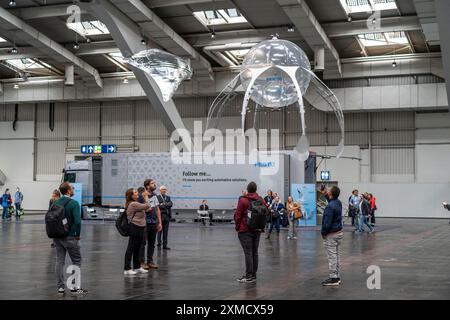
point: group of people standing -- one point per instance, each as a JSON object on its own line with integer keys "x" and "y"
{"x": 362, "y": 211}
{"x": 149, "y": 217}
{"x": 10, "y": 206}
{"x": 284, "y": 214}
{"x": 331, "y": 230}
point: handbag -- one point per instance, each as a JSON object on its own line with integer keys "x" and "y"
{"x": 297, "y": 214}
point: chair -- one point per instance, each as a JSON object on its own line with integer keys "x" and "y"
{"x": 202, "y": 215}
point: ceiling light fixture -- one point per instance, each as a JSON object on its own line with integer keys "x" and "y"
{"x": 143, "y": 42}
{"x": 76, "y": 46}
{"x": 14, "y": 50}
{"x": 349, "y": 18}
{"x": 374, "y": 20}
{"x": 16, "y": 86}
{"x": 12, "y": 3}
{"x": 291, "y": 29}
{"x": 88, "y": 40}
{"x": 213, "y": 35}
{"x": 394, "y": 64}
{"x": 125, "y": 80}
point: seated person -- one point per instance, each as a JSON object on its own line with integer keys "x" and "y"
{"x": 204, "y": 207}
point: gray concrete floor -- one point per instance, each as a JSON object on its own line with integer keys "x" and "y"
{"x": 204, "y": 262}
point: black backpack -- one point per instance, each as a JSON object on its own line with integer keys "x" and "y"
{"x": 257, "y": 214}
{"x": 123, "y": 225}
{"x": 57, "y": 224}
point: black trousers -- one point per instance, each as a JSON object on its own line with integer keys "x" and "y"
{"x": 163, "y": 234}
{"x": 136, "y": 236}
{"x": 372, "y": 217}
{"x": 150, "y": 239}
{"x": 210, "y": 219}
{"x": 250, "y": 243}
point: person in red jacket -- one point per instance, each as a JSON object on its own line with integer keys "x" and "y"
{"x": 373, "y": 207}
{"x": 249, "y": 238}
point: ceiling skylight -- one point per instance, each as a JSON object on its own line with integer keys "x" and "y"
{"x": 217, "y": 17}
{"x": 88, "y": 28}
{"x": 27, "y": 64}
{"x": 353, "y": 6}
{"x": 239, "y": 55}
{"x": 2, "y": 40}
{"x": 383, "y": 38}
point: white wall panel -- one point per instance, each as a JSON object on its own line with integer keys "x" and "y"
{"x": 84, "y": 120}
{"x": 393, "y": 161}
{"x": 42, "y": 121}
{"x": 117, "y": 119}
{"x": 50, "y": 157}
{"x": 153, "y": 145}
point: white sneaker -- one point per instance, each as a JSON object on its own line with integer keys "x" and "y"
{"x": 129, "y": 272}
{"x": 140, "y": 270}
{"x": 289, "y": 238}
{"x": 294, "y": 238}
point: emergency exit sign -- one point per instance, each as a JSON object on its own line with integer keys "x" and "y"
{"x": 98, "y": 149}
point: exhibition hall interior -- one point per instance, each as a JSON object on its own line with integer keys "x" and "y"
{"x": 224, "y": 150}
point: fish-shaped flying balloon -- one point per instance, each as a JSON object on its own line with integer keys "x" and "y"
{"x": 168, "y": 70}
{"x": 274, "y": 74}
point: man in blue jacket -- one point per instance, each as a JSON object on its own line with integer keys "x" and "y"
{"x": 332, "y": 235}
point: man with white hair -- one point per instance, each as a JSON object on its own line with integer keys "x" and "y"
{"x": 165, "y": 206}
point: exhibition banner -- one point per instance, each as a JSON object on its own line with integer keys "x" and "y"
{"x": 305, "y": 195}
{"x": 77, "y": 192}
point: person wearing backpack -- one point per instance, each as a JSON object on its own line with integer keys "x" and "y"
{"x": 249, "y": 229}
{"x": 68, "y": 244}
{"x": 6, "y": 203}
{"x": 136, "y": 228}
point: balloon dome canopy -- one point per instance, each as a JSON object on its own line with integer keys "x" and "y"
{"x": 274, "y": 88}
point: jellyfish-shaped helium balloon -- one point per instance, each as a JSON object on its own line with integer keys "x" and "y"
{"x": 274, "y": 74}
{"x": 166, "y": 69}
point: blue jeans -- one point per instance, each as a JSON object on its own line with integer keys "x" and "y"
{"x": 275, "y": 222}
{"x": 364, "y": 220}
{"x": 18, "y": 207}
{"x": 5, "y": 213}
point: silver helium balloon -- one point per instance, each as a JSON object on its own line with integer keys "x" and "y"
{"x": 276, "y": 73}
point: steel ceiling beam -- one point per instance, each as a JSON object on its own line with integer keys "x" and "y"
{"x": 27, "y": 33}
{"x": 127, "y": 35}
{"x": 311, "y": 30}
{"x": 354, "y": 28}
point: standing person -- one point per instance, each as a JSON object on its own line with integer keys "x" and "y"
{"x": 249, "y": 238}
{"x": 153, "y": 218}
{"x": 365, "y": 214}
{"x": 69, "y": 244}
{"x": 6, "y": 203}
{"x": 373, "y": 208}
{"x": 18, "y": 199}
{"x": 55, "y": 196}
{"x": 136, "y": 219}
{"x": 291, "y": 207}
{"x": 269, "y": 198}
{"x": 165, "y": 205}
{"x": 204, "y": 207}
{"x": 353, "y": 207}
{"x": 275, "y": 210}
{"x": 332, "y": 236}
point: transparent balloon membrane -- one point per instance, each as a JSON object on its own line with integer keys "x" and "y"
{"x": 274, "y": 88}
{"x": 166, "y": 69}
